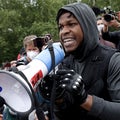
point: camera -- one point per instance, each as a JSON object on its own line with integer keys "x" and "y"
{"x": 42, "y": 40}
{"x": 109, "y": 17}
{"x": 38, "y": 42}
{"x": 108, "y": 13}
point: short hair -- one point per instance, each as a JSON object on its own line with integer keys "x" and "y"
{"x": 29, "y": 40}
{"x": 99, "y": 18}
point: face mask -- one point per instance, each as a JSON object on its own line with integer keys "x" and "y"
{"x": 100, "y": 27}
{"x": 32, "y": 54}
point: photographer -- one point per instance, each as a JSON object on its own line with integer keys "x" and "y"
{"x": 115, "y": 35}
{"x": 100, "y": 26}
{"x": 109, "y": 18}
{"x": 32, "y": 46}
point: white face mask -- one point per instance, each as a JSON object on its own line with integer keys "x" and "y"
{"x": 32, "y": 54}
{"x": 100, "y": 27}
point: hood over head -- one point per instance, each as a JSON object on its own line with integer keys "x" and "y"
{"x": 87, "y": 19}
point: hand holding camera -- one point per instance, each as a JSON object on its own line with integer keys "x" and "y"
{"x": 110, "y": 18}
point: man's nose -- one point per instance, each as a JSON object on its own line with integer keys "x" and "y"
{"x": 65, "y": 30}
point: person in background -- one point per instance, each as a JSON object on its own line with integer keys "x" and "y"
{"x": 32, "y": 46}
{"x": 100, "y": 26}
{"x": 113, "y": 36}
{"x": 30, "y": 51}
{"x": 88, "y": 79}
{"x": 20, "y": 55}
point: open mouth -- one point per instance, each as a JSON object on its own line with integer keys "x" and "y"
{"x": 68, "y": 42}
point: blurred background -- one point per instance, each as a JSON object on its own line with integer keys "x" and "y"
{"x": 19, "y": 18}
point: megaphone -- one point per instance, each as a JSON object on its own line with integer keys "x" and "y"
{"x": 16, "y": 91}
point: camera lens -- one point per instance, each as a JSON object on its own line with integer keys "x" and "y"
{"x": 108, "y": 17}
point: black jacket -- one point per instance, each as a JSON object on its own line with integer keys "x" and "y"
{"x": 100, "y": 68}
{"x": 94, "y": 70}
{"x": 113, "y": 37}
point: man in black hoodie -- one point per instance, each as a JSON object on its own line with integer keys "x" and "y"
{"x": 90, "y": 73}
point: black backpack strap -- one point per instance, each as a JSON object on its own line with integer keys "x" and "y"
{"x": 50, "y": 47}
{"x": 53, "y": 92}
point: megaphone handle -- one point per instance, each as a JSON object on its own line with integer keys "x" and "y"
{"x": 40, "y": 113}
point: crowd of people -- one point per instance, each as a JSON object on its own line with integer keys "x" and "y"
{"x": 87, "y": 81}
{"x": 104, "y": 26}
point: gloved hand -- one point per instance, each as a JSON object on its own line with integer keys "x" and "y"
{"x": 46, "y": 85}
{"x": 73, "y": 83}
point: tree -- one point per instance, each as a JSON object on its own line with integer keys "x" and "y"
{"x": 20, "y": 18}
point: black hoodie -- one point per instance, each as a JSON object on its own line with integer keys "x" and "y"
{"x": 87, "y": 20}
{"x": 91, "y": 60}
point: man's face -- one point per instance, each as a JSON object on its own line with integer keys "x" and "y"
{"x": 70, "y": 32}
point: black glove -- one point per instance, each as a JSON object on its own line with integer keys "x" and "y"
{"x": 73, "y": 83}
{"x": 46, "y": 85}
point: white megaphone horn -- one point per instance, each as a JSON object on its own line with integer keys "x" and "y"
{"x": 16, "y": 91}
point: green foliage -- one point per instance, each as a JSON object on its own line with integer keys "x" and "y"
{"x": 19, "y": 18}
{"x": 104, "y": 3}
